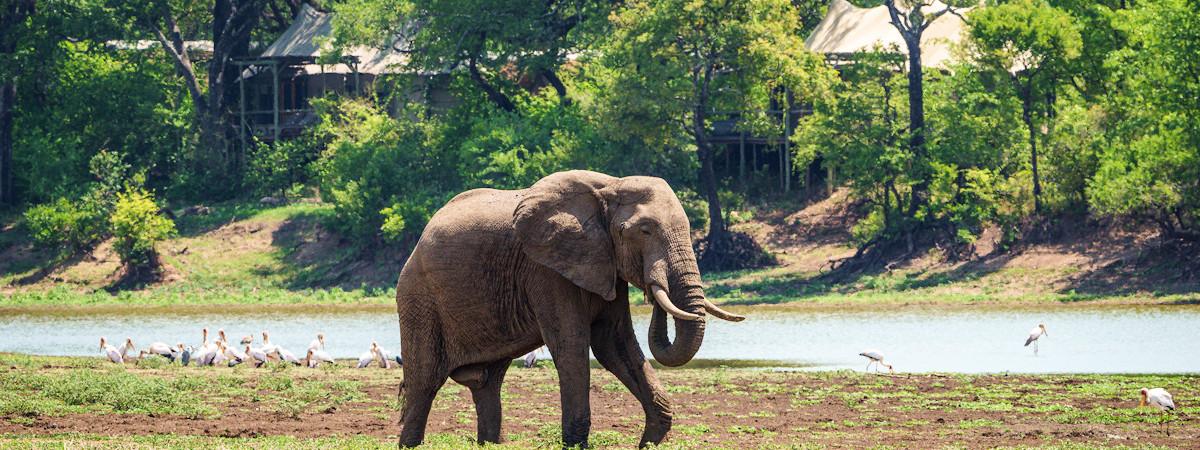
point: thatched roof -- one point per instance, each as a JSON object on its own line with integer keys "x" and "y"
{"x": 849, "y": 29}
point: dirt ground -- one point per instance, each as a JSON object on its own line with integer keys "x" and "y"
{"x": 725, "y": 408}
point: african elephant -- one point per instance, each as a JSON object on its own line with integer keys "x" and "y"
{"x": 498, "y": 273}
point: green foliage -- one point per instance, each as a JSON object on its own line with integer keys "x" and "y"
{"x": 1152, "y": 166}
{"x": 137, "y": 226}
{"x": 276, "y": 169}
{"x": 61, "y": 225}
{"x": 513, "y": 150}
{"x": 378, "y": 171}
{"x": 73, "y": 226}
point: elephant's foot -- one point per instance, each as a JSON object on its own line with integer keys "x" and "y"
{"x": 656, "y": 431}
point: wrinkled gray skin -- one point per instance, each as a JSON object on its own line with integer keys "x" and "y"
{"x": 498, "y": 273}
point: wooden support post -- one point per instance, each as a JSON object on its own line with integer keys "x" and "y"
{"x": 742, "y": 159}
{"x": 242, "y": 106}
{"x": 787, "y": 147}
{"x": 275, "y": 102}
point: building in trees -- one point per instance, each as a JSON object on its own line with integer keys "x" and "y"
{"x": 848, "y": 29}
{"x": 278, "y": 85}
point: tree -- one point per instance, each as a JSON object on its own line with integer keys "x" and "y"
{"x": 675, "y": 62}
{"x": 488, "y": 37}
{"x": 213, "y": 96}
{"x": 1151, "y": 169}
{"x": 911, "y": 21}
{"x": 13, "y": 15}
{"x": 1035, "y": 43}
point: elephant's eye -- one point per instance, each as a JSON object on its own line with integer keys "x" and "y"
{"x": 645, "y": 229}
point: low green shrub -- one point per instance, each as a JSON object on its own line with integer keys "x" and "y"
{"x": 137, "y": 226}
{"x": 63, "y": 225}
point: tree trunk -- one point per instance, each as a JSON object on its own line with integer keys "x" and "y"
{"x": 916, "y": 124}
{"x": 8, "y": 93}
{"x": 1027, "y": 115}
{"x": 717, "y": 233}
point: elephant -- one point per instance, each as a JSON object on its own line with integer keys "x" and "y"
{"x": 498, "y": 273}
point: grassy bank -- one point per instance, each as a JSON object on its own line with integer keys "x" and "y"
{"x": 251, "y": 256}
{"x": 51, "y": 401}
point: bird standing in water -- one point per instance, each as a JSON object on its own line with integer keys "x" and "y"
{"x": 1035, "y": 334}
{"x": 1161, "y": 399}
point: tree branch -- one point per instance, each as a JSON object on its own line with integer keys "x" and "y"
{"x": 496, "y": 97}
{"x": 177, "y": 49}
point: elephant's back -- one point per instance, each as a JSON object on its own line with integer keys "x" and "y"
{"x": 473, "y": 228}
{"x": 474, "y": 211}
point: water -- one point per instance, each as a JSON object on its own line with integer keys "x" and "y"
{"x": 967, "y": 340}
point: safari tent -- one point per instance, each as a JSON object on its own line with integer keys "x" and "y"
{"x": 300, "y": 65}
{"x": 848, "y": 29}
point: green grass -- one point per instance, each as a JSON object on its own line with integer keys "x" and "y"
{"x": 725, "y": 408}
{"x": 28, "y": 396}
{"x": 247, "y": 254}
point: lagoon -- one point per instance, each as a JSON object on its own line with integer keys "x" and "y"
{"x": 1081, "y": 339}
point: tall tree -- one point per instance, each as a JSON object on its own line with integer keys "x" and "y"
{"x": 1035, "y": 43}
{"x": 232, "y": 25}
{"x": 1151, "y": 169}
{"x": 911, "y": 19}
{"x": 675, "y": 62}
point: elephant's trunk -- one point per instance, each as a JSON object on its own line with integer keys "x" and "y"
{"x": 685, "y": 294}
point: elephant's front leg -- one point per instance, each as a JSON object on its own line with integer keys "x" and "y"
{"x": 567, "y": 334}
{"x": 617, "y": 349}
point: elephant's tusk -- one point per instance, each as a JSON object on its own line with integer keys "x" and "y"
{"x": 720, "y": 313}
{"x": 660, "y": 297}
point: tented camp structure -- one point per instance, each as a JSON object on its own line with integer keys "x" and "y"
{"x": 848, "y": 29}
{"x": 277, "y": 85}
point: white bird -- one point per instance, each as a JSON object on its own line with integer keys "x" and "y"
{"x": 219, "y": 356}
{"x": 257, "y": 355}
{"x": 111, "y": 352}
{"x": 368, "y": 357}
{"x": 267, "y": 346}
{"x": 235, "y": 355}
{"x": 160, "y": 349}
{"x": 531, "y": 358}
{"x": 286, "y": 355}
{"x": 221, "y": 336}
{"x": 318, "y": 343}
{"x": 206, "y": 352}
{"x": 1035, "y": 334}
{"x": 247, "y": 339}
{"x": 1161, "y": 399}
{"x": 875, "y": 357}
{"x": 386, "y": 359}
{"x": 316, "y": 357}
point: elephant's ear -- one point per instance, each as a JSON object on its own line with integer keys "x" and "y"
{"x": 561, "y": 225}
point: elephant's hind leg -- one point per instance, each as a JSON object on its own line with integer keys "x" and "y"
{"x": 424, "y": 372}
{"x": 616, "y": 348}
{"x": 485, "y": 381}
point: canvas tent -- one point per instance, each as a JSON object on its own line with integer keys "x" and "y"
{"x": 277, "y": 84}
{"x": 848, "y": 29}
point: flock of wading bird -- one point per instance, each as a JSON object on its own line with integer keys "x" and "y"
{"x": 221, "y": 352}
{"x": 1150, "y": 397}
